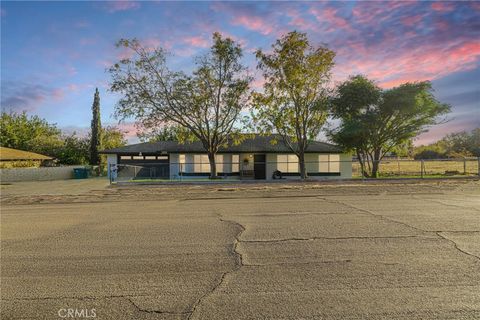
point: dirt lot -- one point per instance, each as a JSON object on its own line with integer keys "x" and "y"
{"x": 265, "y": 251}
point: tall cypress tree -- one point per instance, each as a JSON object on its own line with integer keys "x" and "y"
{"x": 95, "y": 140}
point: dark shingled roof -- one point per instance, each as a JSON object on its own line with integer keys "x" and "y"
{"x": 256, "y": 144}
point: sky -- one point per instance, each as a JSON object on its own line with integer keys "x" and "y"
{"x": 54, "y": 54}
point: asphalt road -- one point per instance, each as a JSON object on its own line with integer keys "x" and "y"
{"x": 375, "y": 253}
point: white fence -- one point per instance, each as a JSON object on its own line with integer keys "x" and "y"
{"x": 37, "y": 174}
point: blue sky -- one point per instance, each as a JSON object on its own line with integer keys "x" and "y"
{"x": 54, "y": 54}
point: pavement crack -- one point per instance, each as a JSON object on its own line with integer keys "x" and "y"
{"x": 446, "y": 203}
{"x": 155, "y": 311}
{"x": 325, "y": 238}
{"x": 238, "y": 265}
{"x": 456, "y": 246}
{"x": 379, "y": 216}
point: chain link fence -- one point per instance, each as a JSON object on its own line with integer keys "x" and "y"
{"x": 388, "y": 168}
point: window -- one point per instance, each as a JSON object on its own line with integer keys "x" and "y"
{"x": 334, "y": 163}
{"x": 200, "y": 163}
{"x": 162, "y": 157}
{"x": 150, "y": 157}
{"x": 287, "y": 163}
{"x": 329, "y": 163}
{"x": 323, "y": 163}
{"x": 181, "y": 161}
{"x": 235, "y": 163}
{"x": 126, "y": 157}
{"x": 219, "y": 163}
{"x": 137, "y": 157}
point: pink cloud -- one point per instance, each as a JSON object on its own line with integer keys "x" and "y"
{"x": 125, "y": 53}
{"x": 423, "y": 63}
{"x": 58, "y": 94}
{"x": 442, "y": 6}
{"x": 374, "y": 12}
{"x": 130, "y": 129}
{"x": 298, "y": 21}
{"x": 330, "y": 16}
{"x": 197, "y": 42}
{"x": 412, "y": 20}
{"x": 254, "y": 23}
{"x": 120, "y": 5}
{"x": 75, "y": 88}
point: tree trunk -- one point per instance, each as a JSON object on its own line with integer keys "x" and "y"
{"x": 213, "y": 166}
{"x": 361, "y": 160}
{"x": 376, "y": 163}
{"x": 303, "y": 169}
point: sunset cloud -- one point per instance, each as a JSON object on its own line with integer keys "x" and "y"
{"x": 197, "y": 42}
{"x": 50, "y": 59}
{"x": 442, "y": 6}
{"x": 253, "y": 23}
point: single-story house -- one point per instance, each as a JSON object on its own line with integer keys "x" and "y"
{"x": 14, "y": 158}
{"x": 256, "y": 157}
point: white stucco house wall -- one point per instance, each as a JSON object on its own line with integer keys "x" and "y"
{"x": 257, "y": 157}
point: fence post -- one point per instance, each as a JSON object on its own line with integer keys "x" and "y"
{"x": 478, "y": 167}
{"x": 464, "y": 165}
{"x": 422, "y": 168}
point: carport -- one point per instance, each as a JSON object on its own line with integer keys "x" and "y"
{"x": 146, "y": 166}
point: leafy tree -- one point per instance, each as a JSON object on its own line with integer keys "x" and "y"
{"x": 48, "y": 145}
{"x": 474, "y": 142}
{"x": 207, "y": 103}
{"x": 462, "y": 144}
{"x": 75, "y": 150}
{"x": 295, "y": 95}
{"x": 166, "y": 133}
{"x": 428, "y": 153}
{"x": 376, "y": 121}
{"x": 96, "y": 130}
{"x": 454, "y": 145}
{"x": 112, "y": 137}
{"x": 20, "y": 131}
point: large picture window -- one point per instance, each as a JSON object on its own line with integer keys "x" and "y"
{"x": 181, "y": 161}
{"x": 235, "y": 163}
{"x": 329, "y": 163}
{"x": 201, "y": 163}
{"x": 218, "y": 163}
{"x": 287, "y": 163}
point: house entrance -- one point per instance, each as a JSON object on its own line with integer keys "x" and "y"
{"x": 259, "y": 166}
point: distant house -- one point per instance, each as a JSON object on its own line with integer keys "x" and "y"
{"x": 257, "y": 157}
{"x": 13, "y": 158}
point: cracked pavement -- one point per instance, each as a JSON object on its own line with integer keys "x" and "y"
{"x": 395, "y": 252}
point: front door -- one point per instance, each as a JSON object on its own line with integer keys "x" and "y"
{"x": 259, "y": 166}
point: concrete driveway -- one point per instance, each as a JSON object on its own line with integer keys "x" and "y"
{"x": 339, "y": 252}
